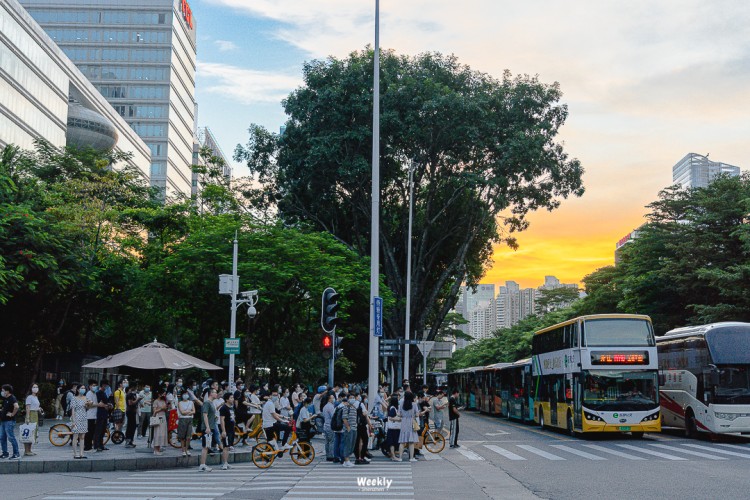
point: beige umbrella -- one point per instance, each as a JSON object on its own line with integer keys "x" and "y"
{"x": 153, "y": 356}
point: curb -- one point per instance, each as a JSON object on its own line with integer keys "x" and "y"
{"x": 115, "y": 464}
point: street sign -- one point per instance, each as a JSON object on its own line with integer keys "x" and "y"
{"x": 410, "y": 341}
{"x": 378, "y": 303}
{"x": 390, "y": 354}
{"x": 426, "y": 347}
{"x": 231, "y": 346}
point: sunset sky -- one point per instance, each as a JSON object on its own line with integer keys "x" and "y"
{"x": 646, "y": 83}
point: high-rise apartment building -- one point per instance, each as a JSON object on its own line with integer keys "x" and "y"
{"x": 204, "y": 138}
{"x": 140, "y": 55}
{"x": 44, "y": 96}
{"x": 697, "y": 171}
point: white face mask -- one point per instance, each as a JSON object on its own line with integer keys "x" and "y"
{"x": 34, "y": 390}
{"x": 185, "y": 397}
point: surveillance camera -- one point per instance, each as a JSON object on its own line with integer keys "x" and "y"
{"x": 251, "y": 312}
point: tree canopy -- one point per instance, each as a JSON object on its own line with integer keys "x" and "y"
{"x": 483, "y": 152}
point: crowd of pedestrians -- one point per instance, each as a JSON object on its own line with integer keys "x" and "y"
{"x": 342, "y": 414}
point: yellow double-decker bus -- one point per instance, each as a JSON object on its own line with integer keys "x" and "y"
{"x": 597, "y": 373}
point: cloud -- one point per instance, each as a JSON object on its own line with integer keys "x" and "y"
{"x": 246, "y": 86}
{"x": 225, "y": 45}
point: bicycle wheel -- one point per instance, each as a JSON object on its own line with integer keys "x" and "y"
{"x": 302, "y": 453}
{"x": 434, "y": 442}
{"x": 173, "y": 441}
{"x": 238, "y": 436}
{"x": 263, "y": 455}
{"x": 106, "y": 436}
{"x": 60, "y": 434}
{"x": 261, "y": 438}
{"x": 118, "y": 437}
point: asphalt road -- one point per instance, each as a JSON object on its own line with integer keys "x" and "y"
{"x": 497, "y": 459}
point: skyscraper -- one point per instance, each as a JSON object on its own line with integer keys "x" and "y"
{"x": 697, "y": 171}
{"x": 140, "y": 55}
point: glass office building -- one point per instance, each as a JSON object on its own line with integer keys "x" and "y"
{"x": 140, "y": 55}
{"x": 697, "y": 171}
{"x": 43, "y": 95}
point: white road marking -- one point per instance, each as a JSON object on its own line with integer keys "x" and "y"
{"x": 613, "y": 452}
{"x": 537, "y": 451}
{"x": 580, "y": 453}
{"x": 714, "y": 450}
{"x": 468, "y": 454}
{"x": 651, "y": 452}
{"x": 502, "y": 451}
{"x": 688, "y": 452}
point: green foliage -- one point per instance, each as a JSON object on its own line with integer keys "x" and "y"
{"x": 508, "y": 344}
{"x": 480, "y": 147}
{"x": 689, "y": 264}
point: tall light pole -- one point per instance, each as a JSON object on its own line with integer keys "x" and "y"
{"x": 375, "y": 227}
{"x": 230, "y": 285}
{"x": 407, "y": 332}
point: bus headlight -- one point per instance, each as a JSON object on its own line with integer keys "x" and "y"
{"x": 592, "y": 417}
{"x": 651, "y": 418}
{"x": 730, "y": 416}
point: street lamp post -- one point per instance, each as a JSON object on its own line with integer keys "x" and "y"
{"x": 407, "y": 332}
{"x": 374, "y": 344}
{"x": 229, "y": 285}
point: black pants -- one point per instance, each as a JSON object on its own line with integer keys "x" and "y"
{"x": 454, "y": 432}
{"x": 360, "y": 447}
{"x": 144, "y": 425}
{"x": 88, "y": 439}
{"x": 130, "y": 429}
{"x": 273, "y": 432}
{"x": 101, "y": 426}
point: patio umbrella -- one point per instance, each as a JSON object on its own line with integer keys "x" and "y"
{"x": 153, "y": 356}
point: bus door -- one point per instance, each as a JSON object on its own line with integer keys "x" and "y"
{"x": 577, "y": 398}
{"x": 553, "y": 399}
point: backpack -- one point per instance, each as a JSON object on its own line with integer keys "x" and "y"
{"x": 337, "y": 422}
{"x": 361, "y": 420}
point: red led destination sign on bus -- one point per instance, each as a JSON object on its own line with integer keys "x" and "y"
{"x": 187, "y": 14}
{"x": 619, "y": 358}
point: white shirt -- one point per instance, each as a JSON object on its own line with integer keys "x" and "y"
{"x": 255, "y": 410}
{"x": 183, "y": 407}
{"x": 284, "y": 406}
{"x": 91, "y": 412}
{"x": 268, "y": 410}
{"x": 218, "y": 403}
{"x": 304, "y": 414}
{"x": 32, "y": 402}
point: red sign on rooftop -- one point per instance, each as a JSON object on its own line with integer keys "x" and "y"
{"x": 187, "y": 14}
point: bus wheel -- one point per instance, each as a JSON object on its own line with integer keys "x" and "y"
{"x": 690, "y": 430}
{"x": 637, "y": 434}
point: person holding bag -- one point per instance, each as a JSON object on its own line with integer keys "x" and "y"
{"x": 159, "y": 422}
{"x": 32, "y": 418}
{"x": 78, "y": 420}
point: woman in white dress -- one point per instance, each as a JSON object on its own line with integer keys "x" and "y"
{"x": 79, "y": 424}
{"x": 32, "y": 417}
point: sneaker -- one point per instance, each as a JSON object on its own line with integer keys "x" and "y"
{"x": 286, "y": 447}
{"x": 366, "y": 460}
{"x": 413, "y": 460}
{"x": 330, "y": 459}
{"x": 15, "y": 457}
{"x": 130, "y": 445}
{"x": 225, "y": 467}
{"x": 205, "y": 468}
{"x": 189, "y": 454}
{"x": 347, "y": 463}
{"x": 29, "y": 454}
{"x": 337, "y": 460}
{"x": 184, "y": 453}
{"x": 231, "y": 449}
{"x": 4, "y": 455}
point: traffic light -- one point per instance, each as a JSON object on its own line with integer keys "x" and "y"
{"x": 329, "y": 309}
{"x": 327, "y": 345}
{"x": 337, "y": 345}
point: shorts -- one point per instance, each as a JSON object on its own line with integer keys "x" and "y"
{"x": 185, "y": 429}
{"x": 118, "y": 416}
{"x": 228, "y": 441}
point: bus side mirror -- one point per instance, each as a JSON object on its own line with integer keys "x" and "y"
{"x": 710, "y": 378}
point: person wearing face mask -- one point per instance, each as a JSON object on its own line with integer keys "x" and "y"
{"x": 285, "y": 407}
{"x": 79, "y": 423}
{"x": 32, "y": 417}
{"x": 118, "y": 413}
{"x": 91, "y": 415}
{"x": 145, "y": 405}
{"x": 102, "y": 415}
{"x": 273, "y": 423}
{"x": 131, "y": 414}
{"x": 185, "y": 413}
{"x": 159, "y": 432}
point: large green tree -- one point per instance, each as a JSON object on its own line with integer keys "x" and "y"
{"x": 483, "y": 150}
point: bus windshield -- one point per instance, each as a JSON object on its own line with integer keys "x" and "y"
{"x": 734, "y": 385}
{"x": 616, "y": 332}
{"x": 609, "y": 390}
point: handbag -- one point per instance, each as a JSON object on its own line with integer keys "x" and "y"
{"x": 154, "y": 421}
{"x": 27, "y": 432}
{"x": 415, "y": 424}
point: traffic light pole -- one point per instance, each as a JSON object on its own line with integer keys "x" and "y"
{"x": 332, "y": 361}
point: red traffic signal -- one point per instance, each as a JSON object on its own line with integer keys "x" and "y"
{"x": 327, "y": 345}
{"x": 327, "y": 342}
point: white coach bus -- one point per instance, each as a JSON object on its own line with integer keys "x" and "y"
{"x": 704, "y": 376}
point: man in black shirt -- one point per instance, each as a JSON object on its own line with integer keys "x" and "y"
{"x": 9, "y": 410}
{"x": 453, "y": 416}
{"x": 131, "y": 413}
{"x": 102, "y": 414}
{"x": 226, "y": 415}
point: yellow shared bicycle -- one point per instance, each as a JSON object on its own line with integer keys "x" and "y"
{"x": 301, "y": 452}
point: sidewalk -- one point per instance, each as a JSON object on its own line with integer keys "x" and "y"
{"x": 51, "y": 458}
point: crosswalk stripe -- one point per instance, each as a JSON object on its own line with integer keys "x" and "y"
{"x": 651, "y": 452}
{"x": 613, "y": 452}
{"x": 541, "y": 453}
{"x": 735, "y": 446}
{"x": 432, "y": 456}
{"x": 714, "y": 450}
{"x": 688, "y": 452}
{"x": 138, "y": 489}
{"x": 164, "y": 494}
{"x": 468, "y": 454}
{"x": 580, "y": 453}
{"x": 502, "y": 451}
{"x": 145, "y": 497}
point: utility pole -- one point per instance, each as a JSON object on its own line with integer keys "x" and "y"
{"x": 407, "y": 332}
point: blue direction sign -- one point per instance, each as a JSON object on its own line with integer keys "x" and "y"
{"x": 378, "y": 303}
